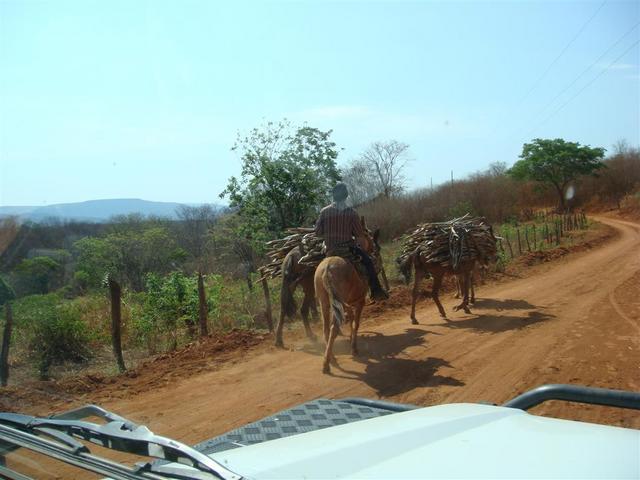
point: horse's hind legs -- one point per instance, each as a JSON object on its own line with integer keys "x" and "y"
{"x": 437, "y": 283}
{"x": 414, "y": 295}
{"x": 328, "y": 354}
{"x": 465, "y": 295}
{"x": 355, "y": 324}
{"x": 305, "y": 317}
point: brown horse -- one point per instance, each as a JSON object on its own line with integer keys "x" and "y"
{"x": 339, "y": 286}
{"x": 294, "y": 274}
{"x": 438, "y": 272}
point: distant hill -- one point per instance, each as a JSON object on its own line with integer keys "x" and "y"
{"x": 95, "y": 210}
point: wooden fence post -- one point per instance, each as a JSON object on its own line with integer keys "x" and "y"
{"x": 267, "y": 300}
{"x": 116, "y": 322}
{"x": 519, "y": 242}
{"x": 6, "y": 343}
{"x": 506, "y": 237}
{"x": 202, "y": 306}
{"x": 535, "y": 244}
{"x": 526, "y": 237}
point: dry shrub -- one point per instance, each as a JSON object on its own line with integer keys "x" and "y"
{"x": 630, "y": 205}
{"x": 491, "y": 194}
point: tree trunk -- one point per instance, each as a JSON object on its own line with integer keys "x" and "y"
{"x": 116, "y": 322}
{"x": 6, "y": 342}
{"x": 202, "y": 306}
{"x": 560, "y": 191}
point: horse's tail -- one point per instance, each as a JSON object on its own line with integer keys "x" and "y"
{"x": 405, "y": 264}
{"x": 287, "y": 302}
{"x": 336, "y": 305}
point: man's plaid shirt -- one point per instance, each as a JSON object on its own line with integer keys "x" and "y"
{"x": 338, "y": 226}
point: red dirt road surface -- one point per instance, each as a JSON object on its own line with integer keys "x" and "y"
{"x": 576, "y": 320}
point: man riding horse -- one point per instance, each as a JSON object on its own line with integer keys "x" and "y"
{"x": 340, "y": 228}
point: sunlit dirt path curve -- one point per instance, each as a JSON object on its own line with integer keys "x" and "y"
{"x": 574, "y": 321}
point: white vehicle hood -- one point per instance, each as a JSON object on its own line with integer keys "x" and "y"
{"x": 447, "y": 441}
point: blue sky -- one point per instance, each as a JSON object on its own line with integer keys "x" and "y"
{"x": 144, "y": 99}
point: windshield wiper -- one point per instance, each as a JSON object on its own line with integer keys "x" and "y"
{"x": 118, "y": 433}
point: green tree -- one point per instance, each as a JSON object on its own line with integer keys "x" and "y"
{"x": 54, "y": 330}
{"x": 169, "y": 302}
{"x": 285, "y": 178}
{"x": 129, "y": 255}
{"x": 37, "y": 274}
{"x": 96, "y": 258}
{"x": 557, "y": 162}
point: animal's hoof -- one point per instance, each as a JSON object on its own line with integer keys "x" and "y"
{"x": 326, "y": 369}
{"x": 354, "y": 352}
{"x": 466, "y": 310}
{"x": 414, "y": 321}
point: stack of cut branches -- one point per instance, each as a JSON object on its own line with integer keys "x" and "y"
{"x": 302, "y": 237}
{"x": 450, "y": 243}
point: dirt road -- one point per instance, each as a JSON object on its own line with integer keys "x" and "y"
{"x": 574, "y": 321}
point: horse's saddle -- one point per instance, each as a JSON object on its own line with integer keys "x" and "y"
{"x": 346, "y": 252}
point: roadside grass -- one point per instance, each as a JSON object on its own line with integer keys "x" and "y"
{"x": 233, "y": 304}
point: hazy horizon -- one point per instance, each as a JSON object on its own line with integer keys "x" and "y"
{"x": 144, "y": 99}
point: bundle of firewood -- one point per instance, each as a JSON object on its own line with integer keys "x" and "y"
{"x": 305, "y": 238}
{"x": 450, "y": 243}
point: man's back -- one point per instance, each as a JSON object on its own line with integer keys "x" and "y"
{"x": 338, "y": 226}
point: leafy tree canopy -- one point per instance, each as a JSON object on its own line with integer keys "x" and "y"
{"x": 556, "y": 162}
{"x": 35, "y": 275}
{"x": 286, "y": 175}
{"x": 128, "y": 255}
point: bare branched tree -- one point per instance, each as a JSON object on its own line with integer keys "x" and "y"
{"x": 388, "y": 160}
{"x": 377, "y": 172}
{"x": 195, "y": 224}
{"x": 361, "y": 181}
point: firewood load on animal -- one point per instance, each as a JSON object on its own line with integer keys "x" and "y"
{"x": 303, "y": 237}
{"x": 451, "y": 243}
{"x": 448, "y": 248}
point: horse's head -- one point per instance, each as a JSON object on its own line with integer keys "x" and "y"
{"x": 373, "y": 247}
{"x": 404, "y": 266}
{"x": 369, "y": 239}
{"x": 489, "y": 254}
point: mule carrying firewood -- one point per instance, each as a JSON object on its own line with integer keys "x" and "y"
{"x": 453, "y": 248}
{"x": 295, "y": 274}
